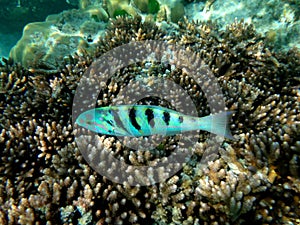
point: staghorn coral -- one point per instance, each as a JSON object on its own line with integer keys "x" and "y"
{"x": 46, "y": 180}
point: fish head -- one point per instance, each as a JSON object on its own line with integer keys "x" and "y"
{"x": 92, "y": 121}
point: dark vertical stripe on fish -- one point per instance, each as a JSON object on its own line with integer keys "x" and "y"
{"x": 109, "y": 122}
{"x": 106, "y": 115}
{"x": 118, "y": 121}
{"x": 166, "y": 117}
{"x": 132, "y": 117}
{"x": 180, "y": 119}
{"x": 150, "y": 117}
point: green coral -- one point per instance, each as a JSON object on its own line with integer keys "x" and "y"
{"x": 177, "y": 12}
{"x": 120, "y": 12}
{"x": 120, "y": 8}
{"x": 153, "y": 6}
{"x": 147, "y": 6}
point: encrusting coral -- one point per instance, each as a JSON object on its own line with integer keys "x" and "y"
{"x": 44, "y": 178}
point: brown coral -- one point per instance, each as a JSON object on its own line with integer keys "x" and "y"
{"x": 45, "y": 178}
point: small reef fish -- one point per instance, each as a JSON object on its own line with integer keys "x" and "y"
{"x": 146, "y": 120}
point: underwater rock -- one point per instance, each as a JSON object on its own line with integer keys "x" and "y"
{"x": 45, "y": 178}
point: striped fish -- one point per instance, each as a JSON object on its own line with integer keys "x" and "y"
{"x": 146, "y": 120}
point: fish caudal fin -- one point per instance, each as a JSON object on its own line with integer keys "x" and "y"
{"x": 217, "y": 124}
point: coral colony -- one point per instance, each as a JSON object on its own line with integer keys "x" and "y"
{"x": 253, "y": 179}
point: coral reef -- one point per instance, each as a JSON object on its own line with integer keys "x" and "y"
{"x": 33, "y": 10}
{"x": 49, "y": 42}
{"x": 14, "y": 15}
{"x": 44, "y": 178}
{"x": 59, "y": 36}
{"x": 277, "y": 20}
{"x": 159, "y": 10}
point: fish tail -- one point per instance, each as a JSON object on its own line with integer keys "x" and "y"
{"x": 217, "y": 124}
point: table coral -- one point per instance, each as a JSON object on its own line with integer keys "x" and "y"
{"x": 46, "y": 180}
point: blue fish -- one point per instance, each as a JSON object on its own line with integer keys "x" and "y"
{"x": 146, "y": 120}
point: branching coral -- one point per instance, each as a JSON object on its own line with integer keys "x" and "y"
{"x": 45, "y": 178}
